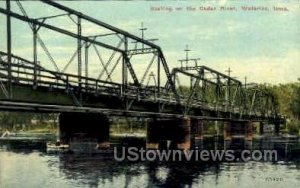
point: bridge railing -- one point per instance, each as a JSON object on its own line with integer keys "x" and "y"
{"x": 23, "y": 72}
{"x": 27, "y": 73}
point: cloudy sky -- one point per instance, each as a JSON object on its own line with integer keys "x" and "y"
{"x": 262, "y": 45}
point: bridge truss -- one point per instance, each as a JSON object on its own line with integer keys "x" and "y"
{"x": 105, "y": 70}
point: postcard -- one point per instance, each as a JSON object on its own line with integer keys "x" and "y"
{"x": 149, "y": 93}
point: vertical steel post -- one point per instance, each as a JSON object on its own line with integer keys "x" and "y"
{"x": 158, "y": 77}
{"x": 34, "y": 28}
{"x": 143, "y": 30}
{"x": 187, "y": 55}
{"x": 8, "y": 27}
{"x": 124, "y": 66}
{"x": 218, "y": 90}
{"x": 227, "y": 96}
{"x": 79, "y": 51}
{"x": 86, "y": 59}
{"x": 191, "y": 83}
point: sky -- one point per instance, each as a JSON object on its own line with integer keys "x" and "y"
{"x": 263, "y": 46}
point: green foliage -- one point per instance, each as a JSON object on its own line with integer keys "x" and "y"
{"x": 123, "y": 126}
{"x": 15, "y": 121}
{"x": 288, "y": 97}
{"x": 9, "y": 119}
{"x": 209, "y": 128}
{"x": 293, "y": 126}
{"x": 295, "y": 104}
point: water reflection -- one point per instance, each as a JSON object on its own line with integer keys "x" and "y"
{"x": 36, "y": 168}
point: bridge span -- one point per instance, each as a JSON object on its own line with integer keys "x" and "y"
{"x": 119, "y": 87}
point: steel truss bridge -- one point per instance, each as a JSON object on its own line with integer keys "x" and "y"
{"x": 111, "y": 71}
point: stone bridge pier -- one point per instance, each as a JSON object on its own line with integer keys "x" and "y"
{"x": 234, "y": 128}
{"x": 227, "y": 131}
{"x": 197, "y": 127}
{"x": 277, "y": 128}
{"x": 84, "y": 128}
{"x": 261, "y": 128}
{"x": 169, "y": 133}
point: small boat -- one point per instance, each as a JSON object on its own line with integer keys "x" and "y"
{"x": 56, "y": 147}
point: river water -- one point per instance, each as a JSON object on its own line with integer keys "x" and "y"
{"x": 31, "y": 166}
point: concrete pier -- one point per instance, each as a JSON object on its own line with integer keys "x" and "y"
{"x": 177, "y": 132}
{"x": 248, "y": 130}
{"x": 198, "y": 128}
{"x": 276, "y": 128}
{"x": 261, "y": 128}
{"x": 84, "y": 128}
{"x": 153, "y": 134}
{"x": 197, "y": 132}
{"x": 184, "y": 134}
{"x": 227, "y": 131}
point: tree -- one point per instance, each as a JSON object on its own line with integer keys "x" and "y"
{"x": 295, "y": 105}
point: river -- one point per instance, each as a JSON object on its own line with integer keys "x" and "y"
{"x": 31, "y": 166}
